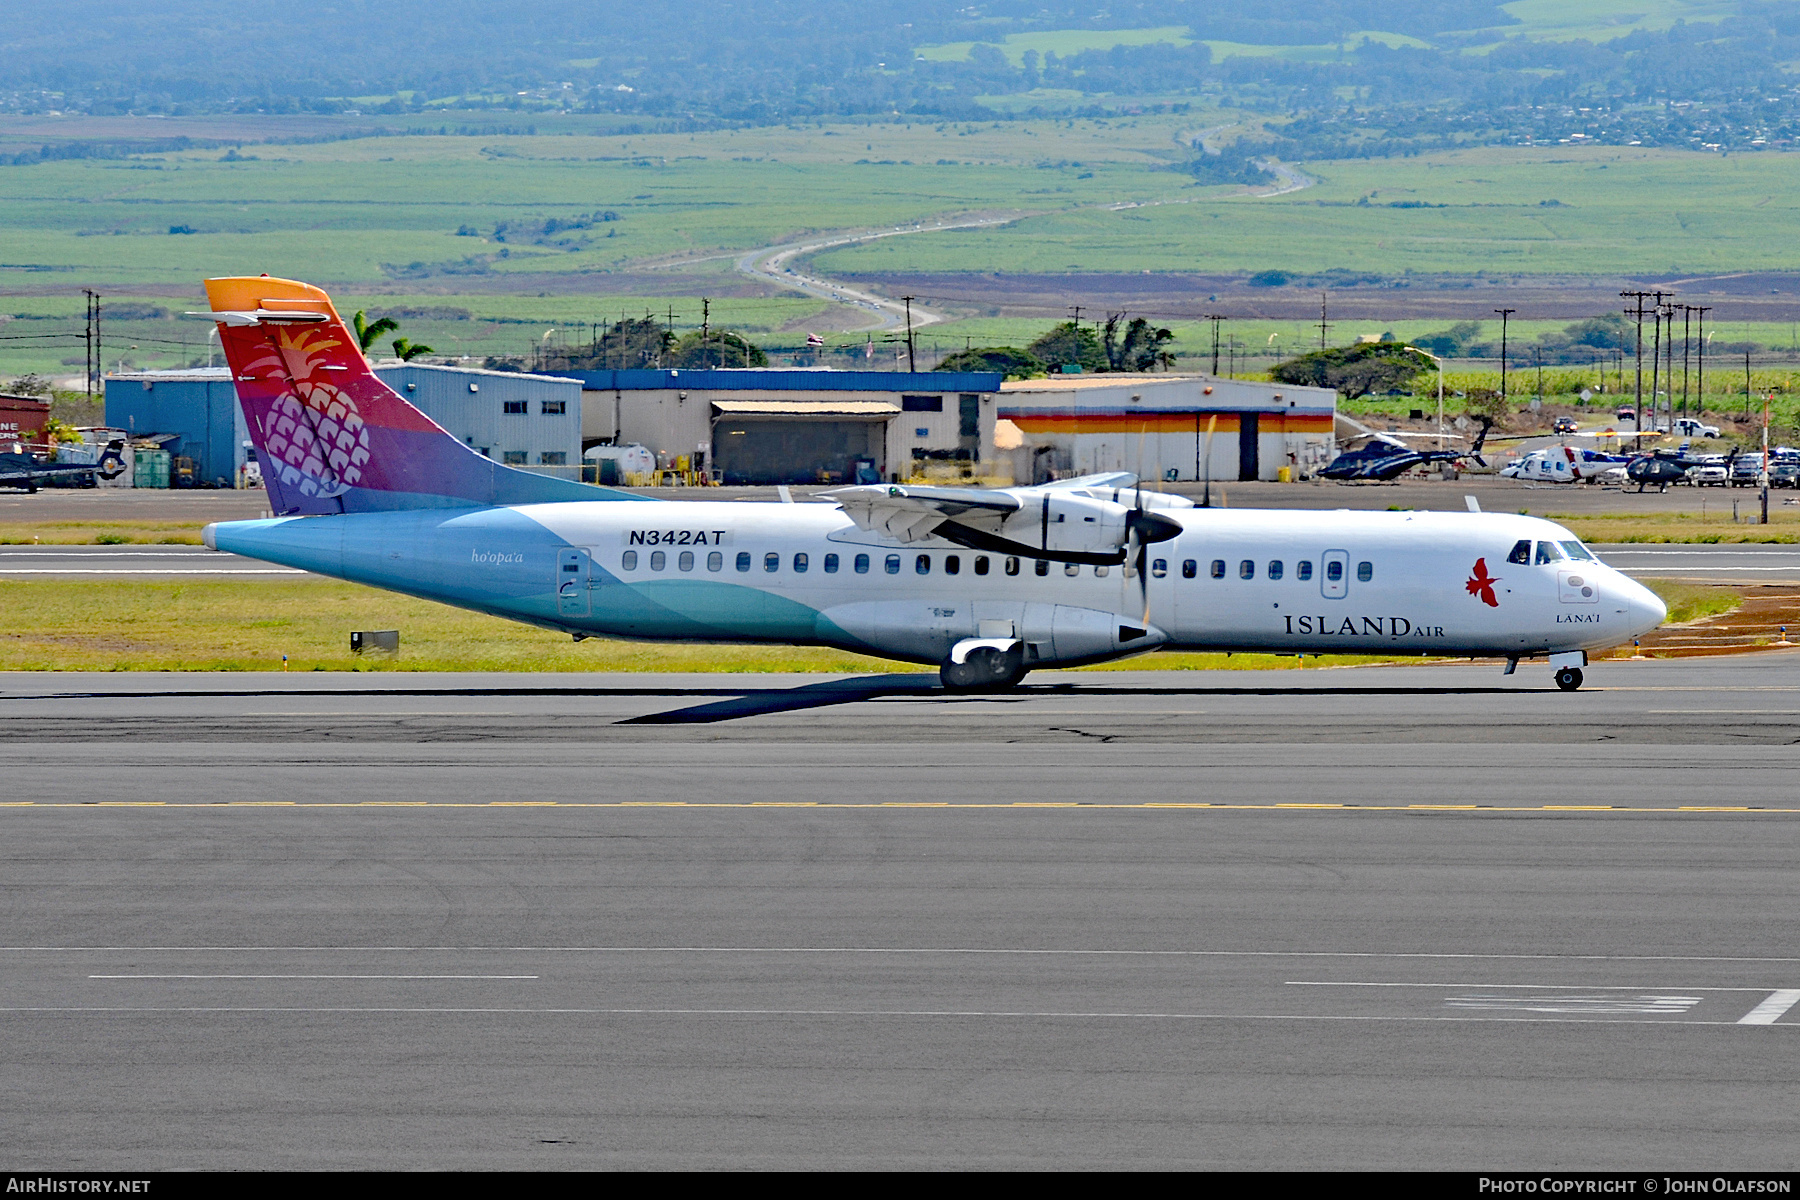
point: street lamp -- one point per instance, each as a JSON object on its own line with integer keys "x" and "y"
{"x": 1440, "y": 368}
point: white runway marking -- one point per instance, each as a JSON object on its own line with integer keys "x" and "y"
{"x": 1600, "y": 1005}
{"x": 312, "y": 976}
{"x": 971, "y": 950}
{"x": 1535, "y": 987}
{"x": 1772, "y": 1009}
{"x": 854, "y": 1014}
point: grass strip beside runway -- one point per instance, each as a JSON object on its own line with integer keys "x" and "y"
{"x": 249, "y": 624}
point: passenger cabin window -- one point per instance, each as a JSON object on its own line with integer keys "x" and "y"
{"x": 1577, "y": 551}
{"x": 686, "y": 561}
{"x": 952, "y": 564}
{"x": 800, "y": 564}
{"x": 1275, "y": 568}
{"x": 892, "y": 565}
{"x": 1303, "y": 570}
{"x": 1218, "y": 568}
{"x": 1012, "y": 565}
{"x": 771, "y": 561}
{"x": 861, "y": 564}
{"x": 628, "y": 560}
{"x": 743, "y": 560}
{"x": 831, "y": 564}
{"x": 1100, "y": 570}
{"x": 1159, "y": 567}
{"x": 922, "y": 564}
{"x": 1365, "y": 571}
{"x": 1189, "y": 568}
{"x": 1547, "y": 553}
{"x": 1247, "y": 569}
{"x": 1071, "y": 569}
{"x": 715, "y": 561}
{"x": 1521, "y": 552}
{"x": 981, "y": 564}
{"x": 1334, "y": 571}
{"x": 1043, "y": 566}
{"x": 658, "y": 560}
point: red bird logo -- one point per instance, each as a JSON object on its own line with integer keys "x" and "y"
{"x": 1481, "y": 584}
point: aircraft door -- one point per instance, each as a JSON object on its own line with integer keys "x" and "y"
{"x": 1334, "y": 579}
{"x": 573, "y": 571}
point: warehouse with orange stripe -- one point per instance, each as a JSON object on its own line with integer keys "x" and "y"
{"x": 1173, "y": 427}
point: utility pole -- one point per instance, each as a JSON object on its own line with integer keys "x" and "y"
{"x": 1323, "y": 324}
{"x": 705, "y": 330}
{"x": 93, "y": 339}
{"x": 1638, "y": 394}
{"x": 1669, "y": 352}
{"x": 1746, "y": 385}
{"x": 1700, "y": 333}
{"x": 1504, "y": 314}
{"x": 1215, "y": 319}
{"x": 1656, "y": 316}
{"x": 911, "y": 363}
{"x": 1687, "y": 318}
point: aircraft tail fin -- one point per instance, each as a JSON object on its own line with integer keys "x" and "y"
{"x": 330, "y": 435}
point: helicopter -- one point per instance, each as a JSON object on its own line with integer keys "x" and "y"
{"x": 1383, "y": 457}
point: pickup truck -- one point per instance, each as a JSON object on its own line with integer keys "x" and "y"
{"x": 1688, "y": 427}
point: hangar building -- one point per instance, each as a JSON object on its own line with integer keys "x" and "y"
{"x": 1187, "y": 427}
{"x": 525, "y": 420}
{"x": 763, "y": 426}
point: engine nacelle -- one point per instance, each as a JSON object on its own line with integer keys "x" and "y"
{"x": 1063, "y": 523}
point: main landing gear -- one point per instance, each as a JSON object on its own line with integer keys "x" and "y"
{"x": 985, "y": 669}
{"x": 1569, "y": 678}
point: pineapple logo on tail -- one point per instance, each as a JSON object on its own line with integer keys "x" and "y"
{"x": 314, "y": 432}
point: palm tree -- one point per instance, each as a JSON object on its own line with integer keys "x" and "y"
{"x": 368, "y": 331}
{"x": 407, "y": 351}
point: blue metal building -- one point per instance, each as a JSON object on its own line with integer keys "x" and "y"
{"x": 526, "y": 420}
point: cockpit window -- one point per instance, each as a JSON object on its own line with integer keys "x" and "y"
{"x": 1521, "y": 552}
{"x": 1578, "y": 551}
{"x": 1548, "y": 552}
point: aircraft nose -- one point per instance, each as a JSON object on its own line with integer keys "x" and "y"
{"x": 1647, "y": 609}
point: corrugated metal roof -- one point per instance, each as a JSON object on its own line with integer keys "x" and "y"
{"x": 806, "y": 408}
{"x": 788, "y": 380}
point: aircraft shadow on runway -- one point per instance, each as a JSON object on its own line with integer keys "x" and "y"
{"x": 925, "y": 687}
{"x": 809, "y": 695}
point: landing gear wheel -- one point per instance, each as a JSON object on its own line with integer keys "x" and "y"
{"x": 1568, "y": 679}
{"x": 984, "y": 670}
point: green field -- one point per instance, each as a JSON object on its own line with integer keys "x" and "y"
{"x": 377, "y": 220}
{"x": 1616, "y": 210}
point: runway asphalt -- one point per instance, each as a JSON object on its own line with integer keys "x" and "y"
{"x": 1713, "y": 563}
{"x": 1371, "y": 917}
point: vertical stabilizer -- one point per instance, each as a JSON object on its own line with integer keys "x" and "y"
{"x": 331, "y": 436}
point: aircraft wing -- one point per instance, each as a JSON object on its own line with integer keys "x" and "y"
{"x": 910, "y": 514}
{"x": 1124, "y": 480}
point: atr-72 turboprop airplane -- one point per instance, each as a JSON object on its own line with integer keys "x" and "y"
{"x": 985, "y": 584}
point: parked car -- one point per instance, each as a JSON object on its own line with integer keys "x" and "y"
{"x": 1747, "y": 471}
{"x": 1689, "y": 427}
{"x": 1785, "y": 475}
{"x": 1627, "y": 414}
{"x": 1707, "y": 475}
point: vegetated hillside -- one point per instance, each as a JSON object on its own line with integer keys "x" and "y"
{"x": 1359, "y": 76}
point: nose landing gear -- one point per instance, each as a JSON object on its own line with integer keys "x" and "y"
{"x": 1569, "y": 678}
